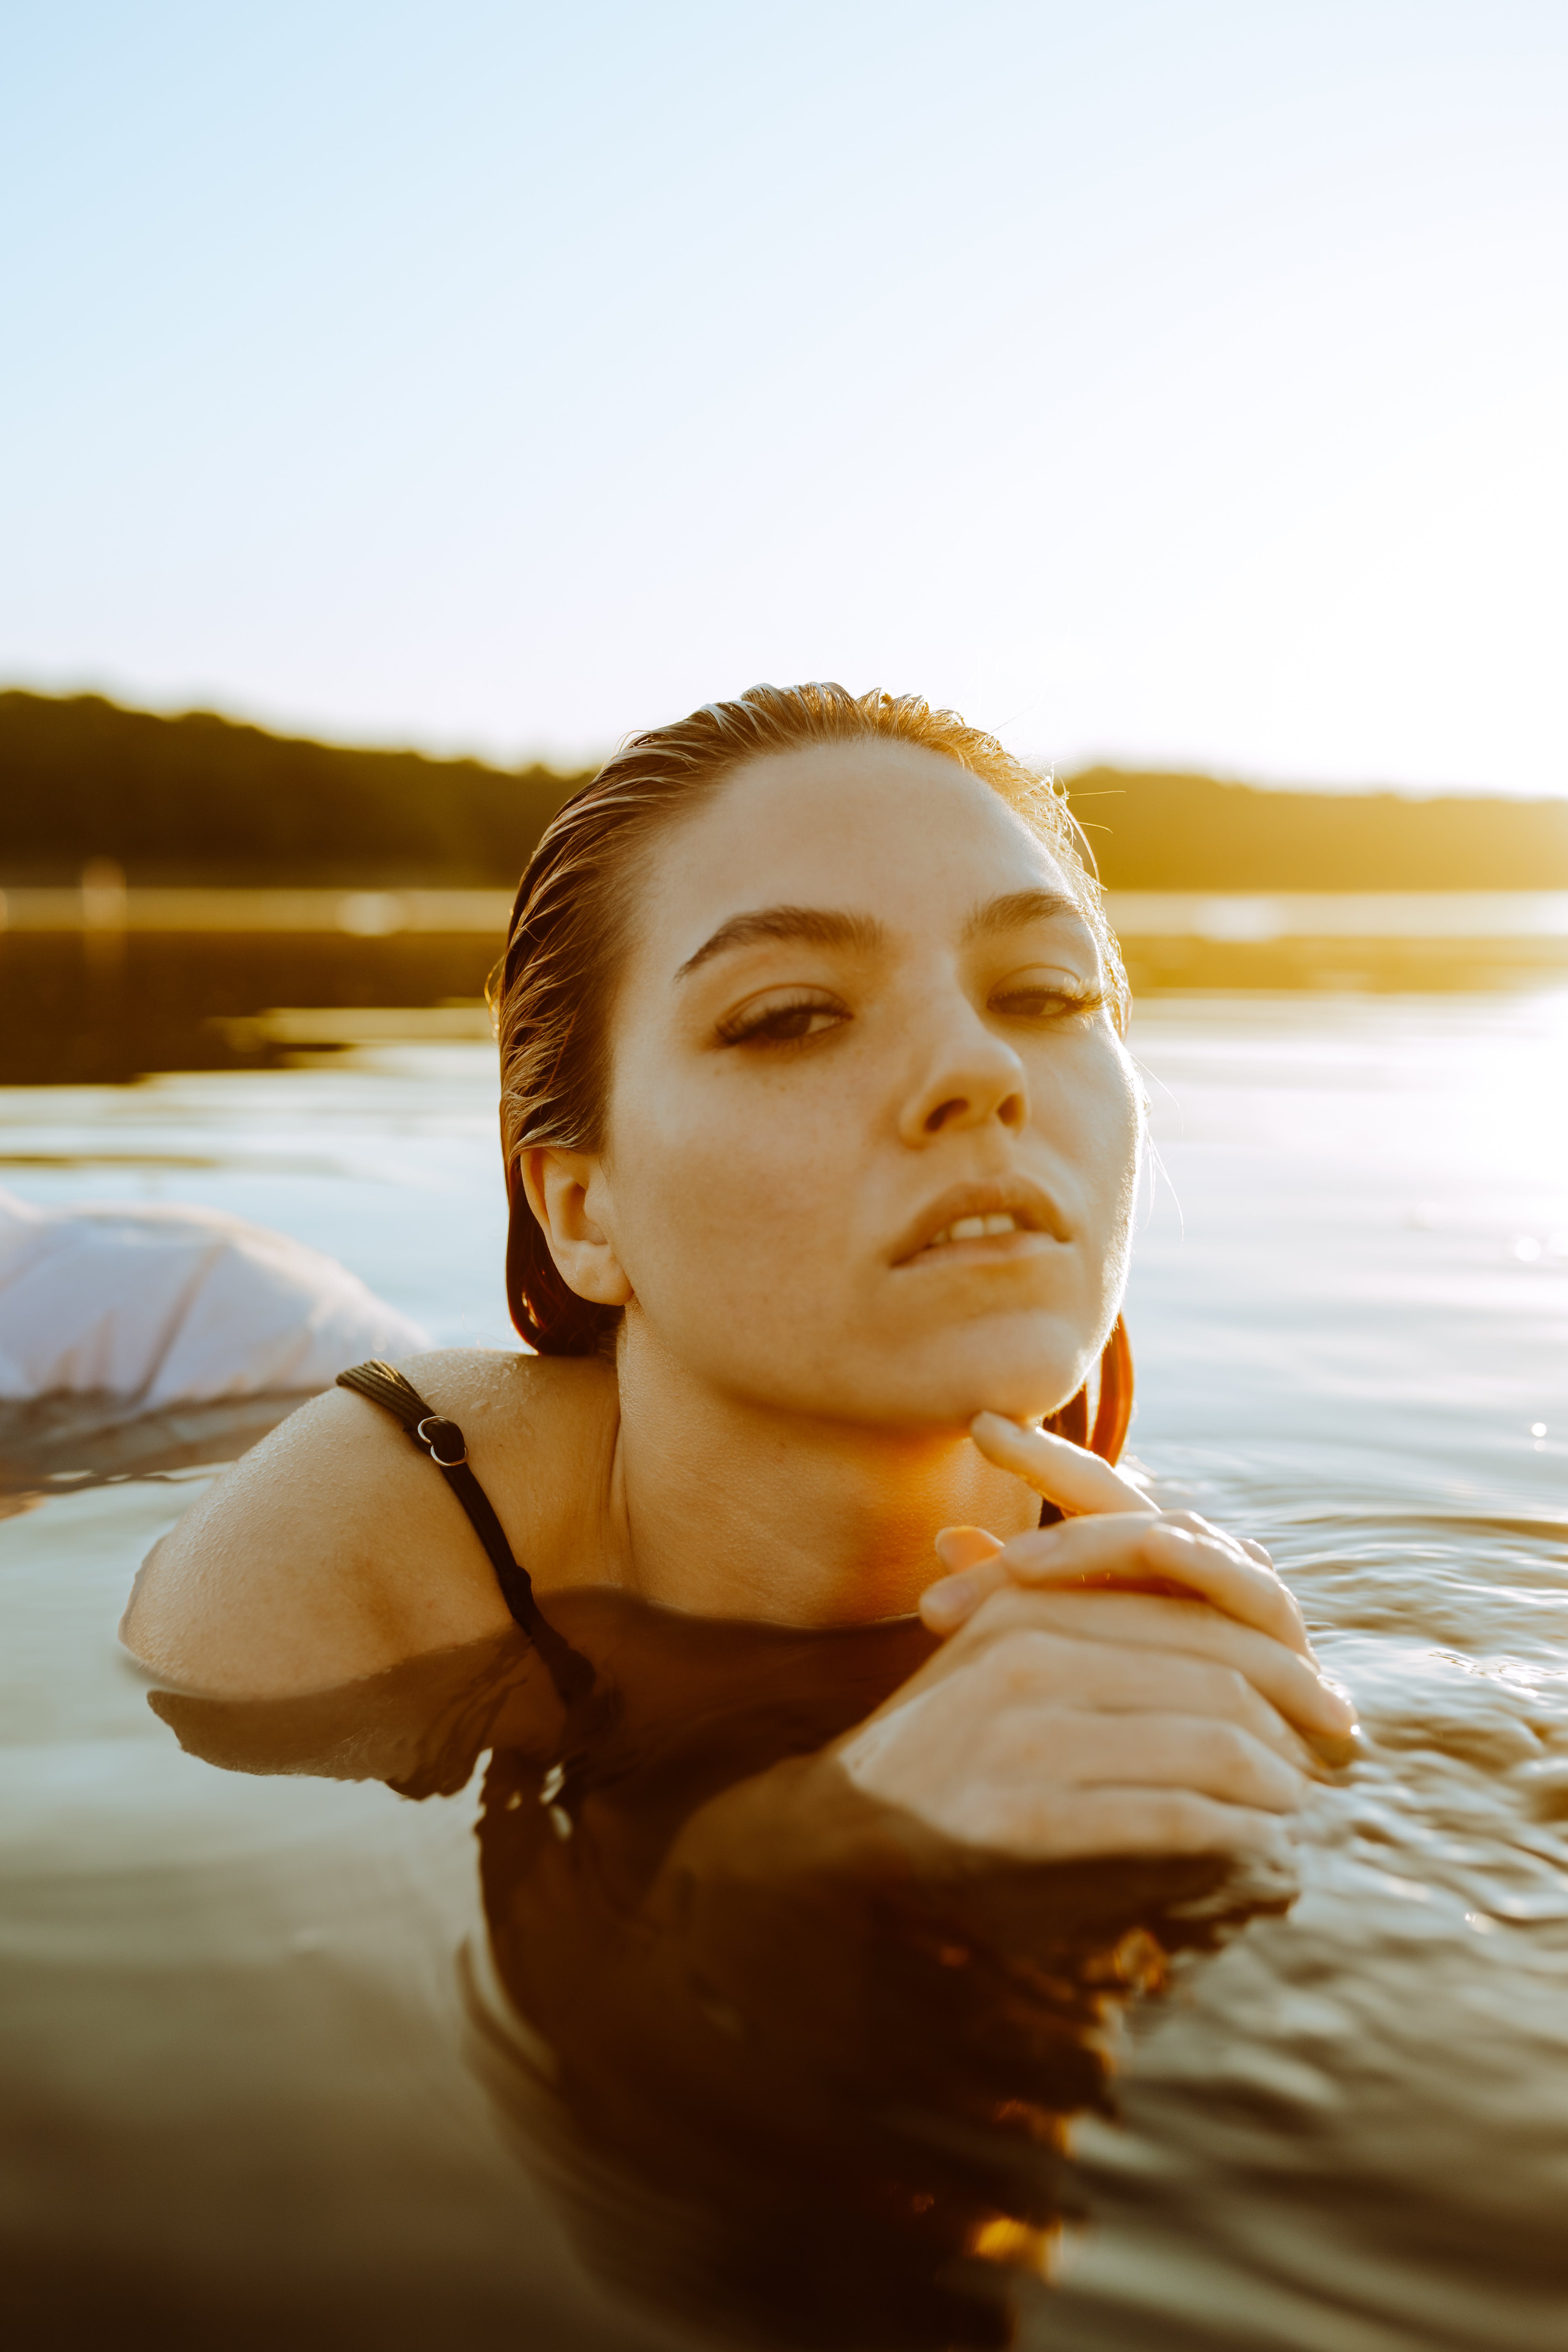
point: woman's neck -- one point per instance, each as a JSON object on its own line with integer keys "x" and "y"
{"x": 729, "y": 1509}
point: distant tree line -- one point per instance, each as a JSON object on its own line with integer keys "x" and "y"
{"x": 201, "y": 799}
{"x": 1189, "y": 833}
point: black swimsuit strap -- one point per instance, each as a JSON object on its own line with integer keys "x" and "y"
{"x": 444, "y": 1442}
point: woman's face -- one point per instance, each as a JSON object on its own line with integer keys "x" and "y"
{"x": 872, "y": 1140}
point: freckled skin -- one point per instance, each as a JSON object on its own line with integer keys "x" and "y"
{"x": 751, "y": 1192}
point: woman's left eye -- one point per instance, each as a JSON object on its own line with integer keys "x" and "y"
{"x": 1047, "y": 995}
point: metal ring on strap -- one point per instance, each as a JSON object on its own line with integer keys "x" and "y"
{"x": 440, "y": 1459}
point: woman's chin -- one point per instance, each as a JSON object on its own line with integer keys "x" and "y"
{"x": 934, "y": 1381}
{"x": 1022, "y": 1400}
{"x": 1026, "y": 1386}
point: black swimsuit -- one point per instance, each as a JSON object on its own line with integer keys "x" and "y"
{"x": 570, "y": 1672}
{"x": 444, "y": 1442}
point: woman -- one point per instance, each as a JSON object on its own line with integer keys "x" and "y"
{"x": 823, "y": 1144}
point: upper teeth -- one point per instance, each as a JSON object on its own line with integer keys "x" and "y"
{"x": 973, "y": 1229}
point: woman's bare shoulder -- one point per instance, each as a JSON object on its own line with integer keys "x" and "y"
{"x": 335, "y": 1549}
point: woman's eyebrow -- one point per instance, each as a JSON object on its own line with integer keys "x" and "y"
{"x": 1019, "y": 908}
{"x": 819, "y": 927}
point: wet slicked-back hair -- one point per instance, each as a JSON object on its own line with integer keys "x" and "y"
{"x": 572, "y": 924}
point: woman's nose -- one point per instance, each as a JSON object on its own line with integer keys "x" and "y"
{"x": 972, "y": 1078}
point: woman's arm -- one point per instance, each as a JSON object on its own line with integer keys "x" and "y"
{"x": 334, "y": 1549}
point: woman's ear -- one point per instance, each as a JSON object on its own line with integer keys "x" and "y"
{"x": 556, "y": 1183}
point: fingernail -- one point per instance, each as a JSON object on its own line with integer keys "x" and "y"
{"x": 1340, "y": 1700}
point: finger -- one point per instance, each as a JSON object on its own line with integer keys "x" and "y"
{"x": 1198, "y": 1525}
{"x": 1138, "y": 1549}
{"x": 1040, "y": 1827}
{"x": 1040, "y": 1769}
{"x": 1082, "y": 1749}
{"x": 1037, "y": 1669}
{"x": 970, "y": 1555}
{"x": 1066, "y": 1474}
{"x": 947, "y": 1605}
{"x": 1300, "y": 1692}
{"x": 962, "y": 1547}
{"x": 952, "y": 1601}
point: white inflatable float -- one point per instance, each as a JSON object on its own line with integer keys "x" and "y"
{"x": 173, "y": 1306}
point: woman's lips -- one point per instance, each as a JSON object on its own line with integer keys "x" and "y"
{"x": 974, "y": 1229}
{"x": 982, "y": 1249}
{"x": 999, "y": 1221}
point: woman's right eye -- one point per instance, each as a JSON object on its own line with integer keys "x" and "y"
{"x": 782, "y": 1024}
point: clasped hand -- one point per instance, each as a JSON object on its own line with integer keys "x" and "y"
{"x": 1129, "y": 1682}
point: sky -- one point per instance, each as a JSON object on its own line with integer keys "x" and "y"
{"x": 1180, "y": 384}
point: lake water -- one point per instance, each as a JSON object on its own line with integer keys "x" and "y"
{"x": 106, "y": 984}
{"x": 255, "y": 2022}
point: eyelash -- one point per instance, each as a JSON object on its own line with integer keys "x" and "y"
{"x": 742, "y": 1029}
{"x": 1080, "y": 997}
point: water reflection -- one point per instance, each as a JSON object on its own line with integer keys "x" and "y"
{"x": 97, "y": 1439}
{"x": 109, "y": 1005}
{"x": 107, "y": 984}
{"x": 795, "y": 2067}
